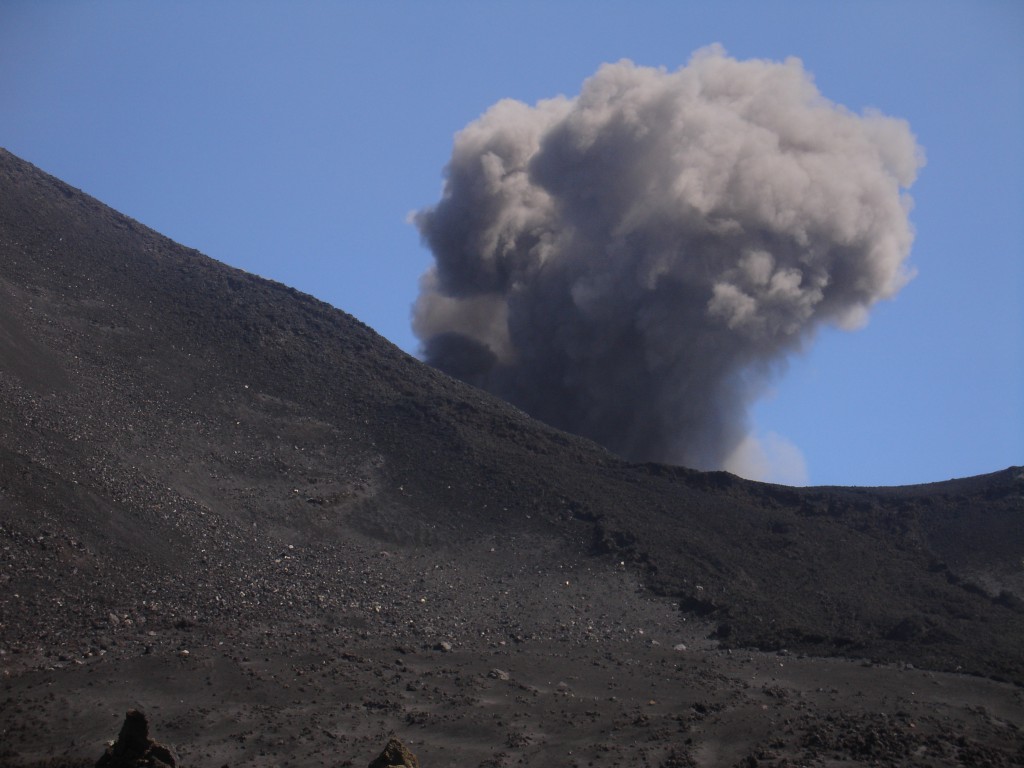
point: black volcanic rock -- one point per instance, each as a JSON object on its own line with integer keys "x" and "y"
{"x": 395, "y": 755}
{"x": 193, "y": 459}
{"x": 135, "y": 749}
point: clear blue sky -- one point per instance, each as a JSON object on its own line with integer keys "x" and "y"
{"x": 292, "y": 140}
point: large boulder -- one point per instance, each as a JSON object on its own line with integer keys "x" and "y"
{"x": 395, "y": 755}
{"x": 134, "y": 748}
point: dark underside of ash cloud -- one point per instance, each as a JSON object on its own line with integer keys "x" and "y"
{"x": 632, "y": 263}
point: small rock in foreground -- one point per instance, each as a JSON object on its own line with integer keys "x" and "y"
{"x": 395, "y": 755}
{"x": 134, "y": 748}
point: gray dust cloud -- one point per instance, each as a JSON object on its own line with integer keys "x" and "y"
{"x": 635, "y": 263}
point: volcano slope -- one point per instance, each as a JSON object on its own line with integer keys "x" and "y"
{"x": 242, "y": 511}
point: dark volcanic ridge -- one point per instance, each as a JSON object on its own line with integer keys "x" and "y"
{"x": 229, "y": 500}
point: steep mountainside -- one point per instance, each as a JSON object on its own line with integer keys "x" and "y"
{"x": 187, "y": 448}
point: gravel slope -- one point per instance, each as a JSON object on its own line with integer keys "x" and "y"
{"x": 349, "y": 544}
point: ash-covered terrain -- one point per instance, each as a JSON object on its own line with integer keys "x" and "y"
{"x": 242, "y": 511}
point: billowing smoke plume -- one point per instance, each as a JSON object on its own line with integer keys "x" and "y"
{"x": 631, "y": 264}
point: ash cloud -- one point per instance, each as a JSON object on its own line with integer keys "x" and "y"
{"x": 634, "y": 263}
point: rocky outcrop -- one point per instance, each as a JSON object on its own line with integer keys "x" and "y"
{"x": 395, "y": 755}
{"x": 134, "y": 748}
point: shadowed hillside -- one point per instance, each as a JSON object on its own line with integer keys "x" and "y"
{"x": 191, "y": 455}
